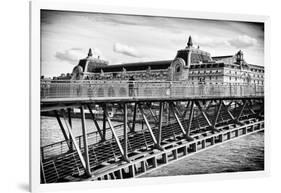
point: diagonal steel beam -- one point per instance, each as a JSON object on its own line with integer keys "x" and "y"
{"x": 191, "y": 113}
{"x": 177, "y": 110}
{"x": 229, "y": 104}
{"x": 85, "y": 142}
{"x": 209, "y": 103}
{"x": 115, "y": 135}
{"x": 186, "y": 109}
{"x": 241, "y": 111}
{"x": 203, "y": 113}
{"x": 249, "y": 107}
{"x": 96, "y": 123}
{"x": 66, "y": 137}
{"x": 205, "y": 116}
{"x": 74, "y": 141}
{"x": 152, "y": 114}
{"x": 172, "y": 107}
{"x": 228, "y": 112}
{"x": 70, "y": 123}
{"x": 148, "y": 126}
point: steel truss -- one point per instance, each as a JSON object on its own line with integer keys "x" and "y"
{"x": 146, "y": 126}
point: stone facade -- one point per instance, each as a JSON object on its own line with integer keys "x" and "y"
{"x": 190, "y": 64}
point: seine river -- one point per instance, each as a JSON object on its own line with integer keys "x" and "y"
{"x": 243, "y": 154}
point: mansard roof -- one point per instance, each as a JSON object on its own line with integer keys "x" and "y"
{"x": 221, "y": 57}
{"x": 138, "y": 66}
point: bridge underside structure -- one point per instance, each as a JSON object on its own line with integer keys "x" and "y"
{"x": 150, "y": 132}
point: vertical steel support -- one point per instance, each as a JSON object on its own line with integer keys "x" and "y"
{"x": 148, "y": 126}
{"x": 217, "y": 114}
{"x": 125, "y": 131}
{"x": 85, "y": 142}
{"x": 190, "y": 119}
{"x": 104, "y": 122}
{"x": 160, "y": 123}
{"x": 168, "y": 113}
{"x": 134, "y": 118}
{"x": 96, "y": 123}
{"x": 74, "y": 141}
{"x": 115, "y": 135}
{"x": 177, "y": 118}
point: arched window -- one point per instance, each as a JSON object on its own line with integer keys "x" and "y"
{"x": 178, "y": 68}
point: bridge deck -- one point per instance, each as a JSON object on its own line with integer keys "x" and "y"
{"x": 67, "y": 93}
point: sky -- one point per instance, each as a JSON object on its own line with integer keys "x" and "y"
{"x": 67, "y": 36}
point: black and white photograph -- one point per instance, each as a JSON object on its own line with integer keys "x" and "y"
{"x": 126, "y": 96}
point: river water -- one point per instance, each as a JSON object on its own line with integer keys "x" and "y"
{"x": 243, "y": 154}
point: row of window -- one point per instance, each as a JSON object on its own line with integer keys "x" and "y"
{"x": 205, "y": 78}
{"x": 205, "y": 71}
{"x": 226, "y": 72}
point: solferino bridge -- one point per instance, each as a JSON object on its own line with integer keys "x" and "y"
{"x": 159, "y": 123}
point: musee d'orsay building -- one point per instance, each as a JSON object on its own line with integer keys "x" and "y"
{"x": 190, "y": 64}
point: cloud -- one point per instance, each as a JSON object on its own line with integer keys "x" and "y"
{"x": 126, "y": 50}
{"x": 208, "y": 41}
{"x": 70, "y": 55}
{"x": 73, "y": 55}
{"x": 243, "y": 41}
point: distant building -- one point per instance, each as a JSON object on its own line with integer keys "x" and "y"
{"x": 63, "y": 77}
{"x": 190, "y": 64}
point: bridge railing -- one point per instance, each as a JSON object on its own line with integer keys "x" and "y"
{"x": 143, "y": 89}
